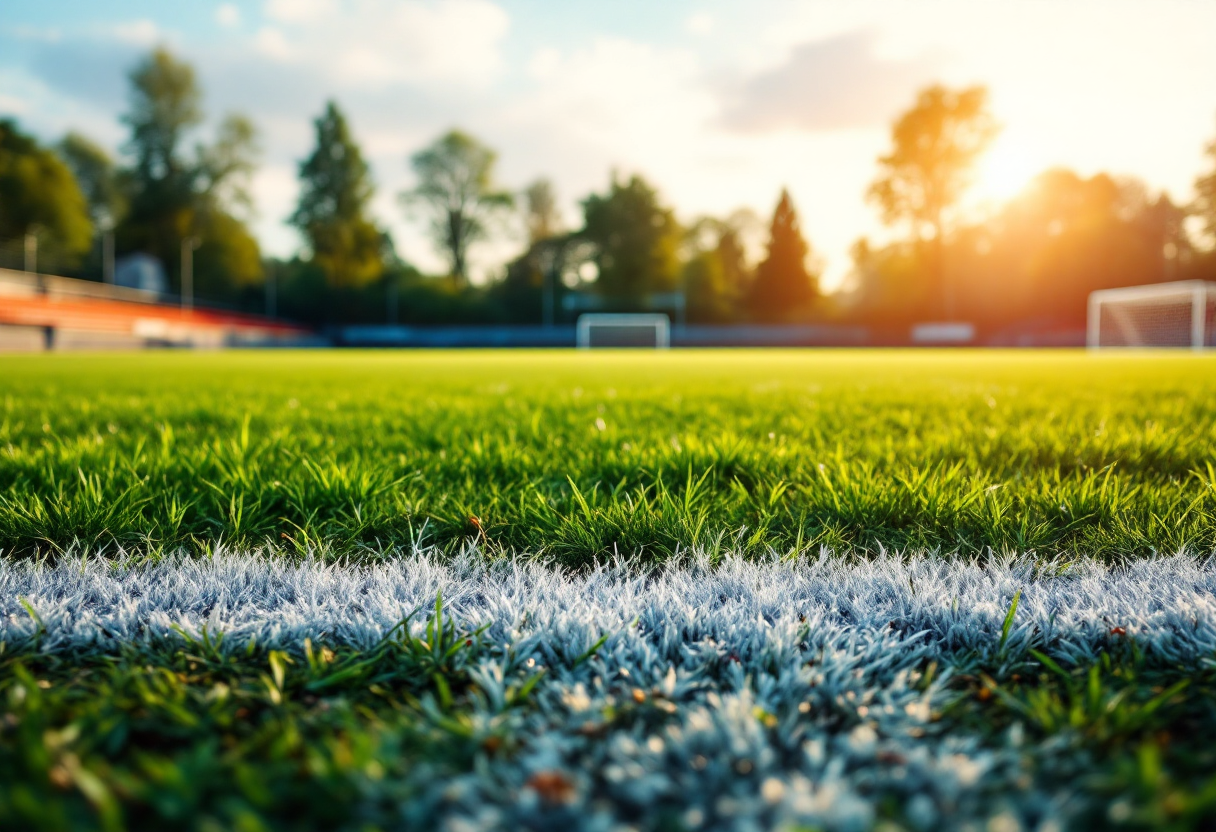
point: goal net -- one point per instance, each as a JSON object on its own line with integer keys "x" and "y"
{"x": 1179, "y": 314}
{"x": 604, "y": 329}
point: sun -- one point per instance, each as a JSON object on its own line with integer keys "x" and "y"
{"x": 1003, "y": 172}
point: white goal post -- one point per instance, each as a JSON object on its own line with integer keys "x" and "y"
{"x": 1178, "y": 314}
{"x": 608, "y": 329}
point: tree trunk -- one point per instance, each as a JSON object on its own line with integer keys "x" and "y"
{"x": 939, "y": 269}
{"x": 456, "y": 243}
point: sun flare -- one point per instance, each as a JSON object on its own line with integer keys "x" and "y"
{"x": 1004, "y": 172}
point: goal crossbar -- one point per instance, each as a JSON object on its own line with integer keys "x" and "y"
{"x": 609, "y": 329}
{"x": 1176, "y": 314}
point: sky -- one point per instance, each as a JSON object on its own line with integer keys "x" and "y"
{"x": 719, "y": 104}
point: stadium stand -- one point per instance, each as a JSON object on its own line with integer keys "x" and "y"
{"x": 39, "y": 312}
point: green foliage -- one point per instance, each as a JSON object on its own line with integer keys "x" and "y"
{"x": 166, "y": 103}
{"x": 1204, "y": 205}
{"x": 934, "y": 146}
{"x": 705, "y": 287}
{"x": 172, "y": 197}
{"x": 97, "y": 176}
{"x": 336, "y": 188}
{"x": 39, "y": 195}
{"x": 201, "y": 737}
{"x": 456, "y": 186}
{"x": 1134, "y": 731}
{"x": 228, "y": 258}
{"x": 888, "y": 288}
{"x": 784, "y": 287}
{"x": 192, "y": 733}
{"x": 716, "y": 277}
{"x": 637, "y": 240}
{"x": 542, "y": 215}
{"x": 226, "y": 166}
{"x": 581, "y": 455}
{"x": 1039, "y": 258}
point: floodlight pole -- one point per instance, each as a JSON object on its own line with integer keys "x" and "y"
{"x": 271, "y": 289}
{"x": 107, "y": 257}
{"x": 1093, "y": 334}
{"x": 1199, "y": 317}
{"x": 549, "y": 263}
{"x": 391, "y": 299}
{"x": 547, "y": 314}
{"x": 189, "y": 244}
{"x": 31, "y": 253}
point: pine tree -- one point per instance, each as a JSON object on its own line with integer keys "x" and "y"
{"x": 336, "y": 188}
{"x": 784, "y": 287}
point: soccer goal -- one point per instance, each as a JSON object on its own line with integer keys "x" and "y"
{"x": 605, "y": 329}
{"x": 1179, "y": 314}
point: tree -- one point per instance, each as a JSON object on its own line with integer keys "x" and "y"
{"x": 1032, "y": 265}
{"x": 530, "y": 286}
{"x": 541, "y": 213}
{"x": 336, "y": 188}
{"x": 1204, "y": 205}
{"x": 166, "y": 103}
{"x": 735, "y": 231}
{"x": 637, "y": 240}
{"x": 223, "y": 206}
{"x": 784, "y": 287}
{"x": 173, "y": 196}
{"x": 456, "y": 184}
{"x": 716, "y": 277}
{"x": 97, "y": 176}
{"x": 934, "y": 146}
{"x": 38, "y": 194}
{"x": 1069, "y": 235}
{"x": 224, "y": 170}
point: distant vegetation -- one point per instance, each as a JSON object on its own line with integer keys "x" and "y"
{"x": 1031, "y": 263}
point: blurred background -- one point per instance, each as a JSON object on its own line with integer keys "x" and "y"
{"x": 478, "y": 172}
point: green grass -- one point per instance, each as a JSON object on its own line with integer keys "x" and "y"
{"x": 578, "y": 457}
{"x": 584, "y": 455}
{"x": 193, "y": 738}
{"x": 207, "y": 740}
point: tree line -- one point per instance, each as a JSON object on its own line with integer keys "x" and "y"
{"x": 1036, "y": 260}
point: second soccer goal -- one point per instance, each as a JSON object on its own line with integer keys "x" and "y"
{"x": 1178, "y": 314}
{"x": 605, "y": 329}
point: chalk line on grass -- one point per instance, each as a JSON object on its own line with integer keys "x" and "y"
{"x": 949, "y": 606}
{"x": 762, "y": 693}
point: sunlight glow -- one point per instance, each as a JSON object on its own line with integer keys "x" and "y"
{"x": 1004, "y": 172}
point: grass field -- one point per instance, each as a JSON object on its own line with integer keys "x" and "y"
{"x": 582, "y": 456}
{"x": 693, "y": 590}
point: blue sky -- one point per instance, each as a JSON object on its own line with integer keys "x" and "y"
{"x": 720, "y": 104}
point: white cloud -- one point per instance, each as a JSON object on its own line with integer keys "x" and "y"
{"x": 47, "y": 34}
{"x": 300, "y": 11}
{"x": 12, "y": 105}
{"x": 544, "y": 62}
{"x": 556, "y": 98}
{"x": 277, "y": 189}
{"x": 137, "y": 32}
{"x": 617, "y": 94}
{"x": 699, "y": 23}
{"x": 270, "y": 42}
{"x": 829, "y": 84}
{"x": 382, "y": 42}
{"x": 228, "y": 15}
